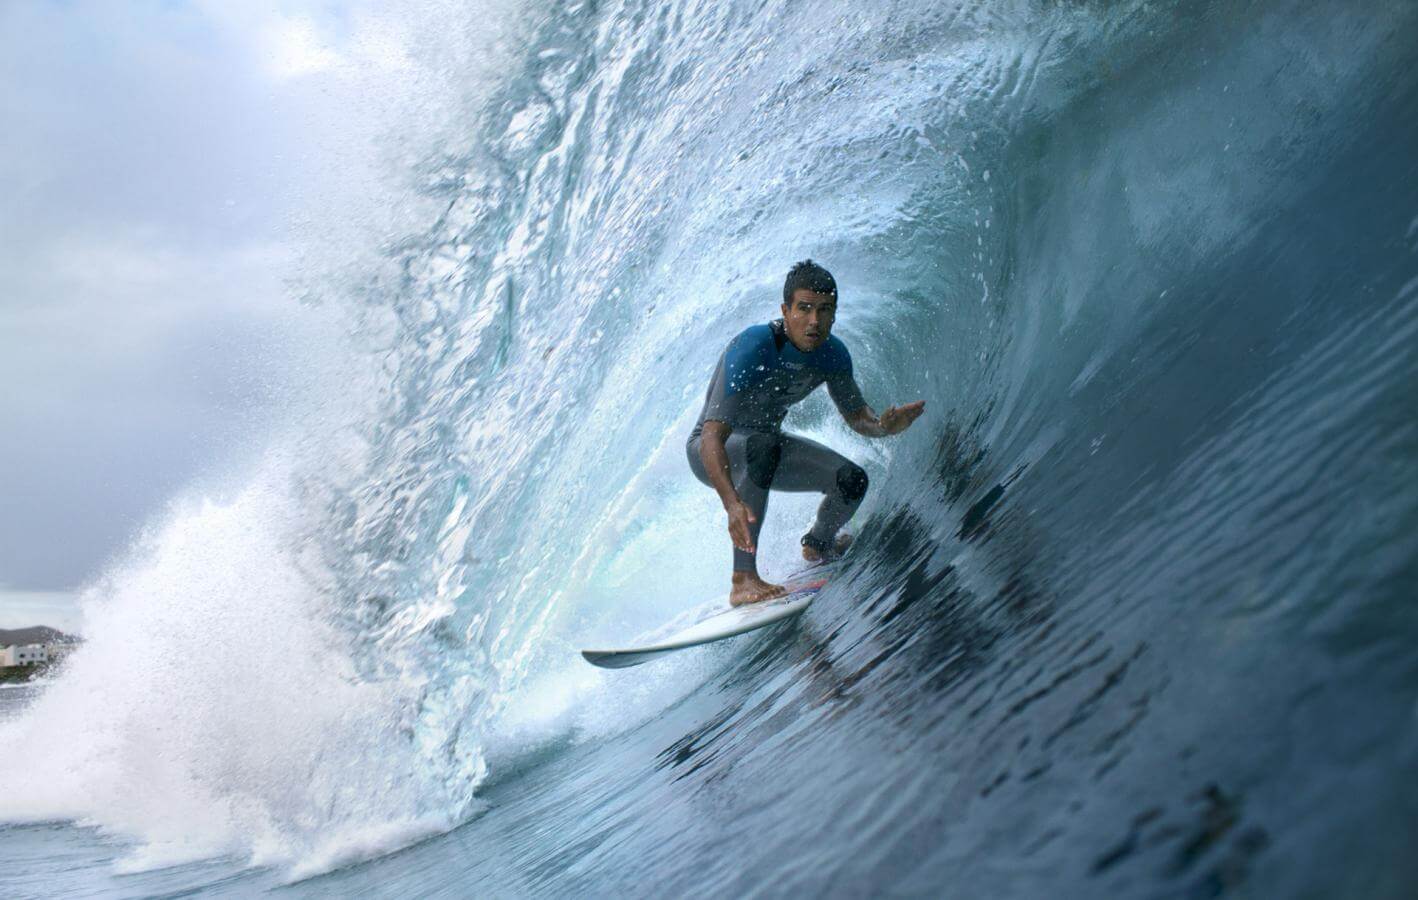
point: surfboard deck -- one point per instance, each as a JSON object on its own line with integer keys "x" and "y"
{"x": 734, "y": 621}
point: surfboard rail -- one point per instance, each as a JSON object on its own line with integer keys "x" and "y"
{"x": 730, "y": 623}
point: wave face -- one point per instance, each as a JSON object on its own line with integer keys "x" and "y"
{"x": 1130, "y": 609}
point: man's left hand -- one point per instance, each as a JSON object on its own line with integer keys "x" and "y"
{"x": 897, "y": 419}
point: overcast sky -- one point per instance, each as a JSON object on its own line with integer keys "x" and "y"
{"x": 151, "y": 156}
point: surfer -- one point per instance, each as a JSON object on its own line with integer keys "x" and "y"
{"x": 738, "y": 448}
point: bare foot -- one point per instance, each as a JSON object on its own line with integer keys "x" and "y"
{"x": 839, "y": 547}
{"x": 749, "y": 588}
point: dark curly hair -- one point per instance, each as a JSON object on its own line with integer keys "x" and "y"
{"x": 808, "y": 274}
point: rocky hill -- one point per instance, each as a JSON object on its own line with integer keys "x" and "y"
{"x": 35, "y": 634}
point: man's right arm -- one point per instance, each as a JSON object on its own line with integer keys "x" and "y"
{"x": 716, "y": 460}
{"x": 716, "y": 465}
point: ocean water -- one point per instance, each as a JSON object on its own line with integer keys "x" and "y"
{"x": 1131, "y": 610}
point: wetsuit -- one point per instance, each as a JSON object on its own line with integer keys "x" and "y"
{"x": 759, "y": 376}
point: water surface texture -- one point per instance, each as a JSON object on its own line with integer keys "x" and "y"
{"x": 1131, "y": 610}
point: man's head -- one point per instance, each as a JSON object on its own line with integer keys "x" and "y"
{"x": 809, "y": 305}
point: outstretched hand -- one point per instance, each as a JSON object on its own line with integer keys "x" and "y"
{"x": 897, "y": 419}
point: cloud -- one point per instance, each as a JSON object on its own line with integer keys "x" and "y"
{"x": 57, "y": 609}
{"x": 153, "y": 159}
{"x": 131, "y": 366}
{"x": 296, "y": 50}
{"x": 296, "y": 46}
{"x": 167, "y": 168}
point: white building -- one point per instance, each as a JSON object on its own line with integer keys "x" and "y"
{"x": 23, "y": 655}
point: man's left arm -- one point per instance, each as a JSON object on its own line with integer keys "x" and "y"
{"x": 859, "y": 416}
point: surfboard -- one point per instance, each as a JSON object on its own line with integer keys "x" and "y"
{"x": 728, "y": 623}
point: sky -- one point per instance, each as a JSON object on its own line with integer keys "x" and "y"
{"x": 153, "y": 160}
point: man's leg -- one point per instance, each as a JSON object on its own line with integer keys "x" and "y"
{"x": 753, "y": 463}
{"x": 806, "y": 465}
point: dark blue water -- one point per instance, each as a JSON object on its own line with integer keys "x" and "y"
{"x": 1131, "y": 610}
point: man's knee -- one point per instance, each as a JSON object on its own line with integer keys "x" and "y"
{"x": 764, "y": 452}
{"x": 852, "y": 482}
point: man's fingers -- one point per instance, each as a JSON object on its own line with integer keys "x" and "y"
{"x": 741, "y": 520}
{"x": 739, "y": 534}
{"x": 898, "y": 418}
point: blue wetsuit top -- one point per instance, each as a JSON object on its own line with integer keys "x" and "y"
{"x": 761, "y": 374}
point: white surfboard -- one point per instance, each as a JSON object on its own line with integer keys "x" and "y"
{"x": 729, "y": 623}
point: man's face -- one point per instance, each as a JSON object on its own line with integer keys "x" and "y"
{"x": 808, "y": 318}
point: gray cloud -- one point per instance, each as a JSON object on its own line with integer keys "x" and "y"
{"x": 151, "y": 153}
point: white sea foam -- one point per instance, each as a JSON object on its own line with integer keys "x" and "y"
{"x": 16, "y": 685}
{"x": 213, "y": 709}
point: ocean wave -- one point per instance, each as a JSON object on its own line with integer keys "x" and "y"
{"x": 1152, "y": 272}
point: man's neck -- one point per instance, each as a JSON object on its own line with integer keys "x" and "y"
{"x": 781, "y": 338}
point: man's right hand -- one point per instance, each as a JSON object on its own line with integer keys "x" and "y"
{"x": 741, "y": 521}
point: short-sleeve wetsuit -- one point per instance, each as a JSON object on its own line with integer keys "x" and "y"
{"x": 758, "y": 377}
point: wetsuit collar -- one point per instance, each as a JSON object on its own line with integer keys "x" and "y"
{"x": 780, "y": 334}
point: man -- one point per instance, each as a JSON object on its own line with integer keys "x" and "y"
{"x": 738, "y": 449}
